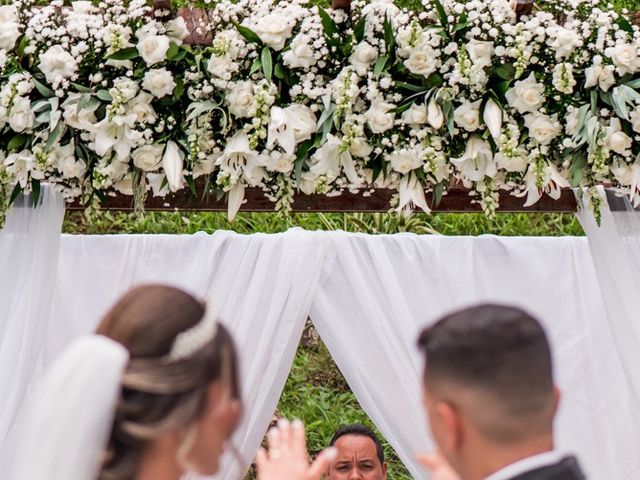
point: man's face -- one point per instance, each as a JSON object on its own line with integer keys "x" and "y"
{"x": 357, "y": 459}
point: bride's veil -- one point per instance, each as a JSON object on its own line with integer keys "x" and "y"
{"x": 68, "y": 424}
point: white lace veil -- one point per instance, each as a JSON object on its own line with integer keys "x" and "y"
{"x": 70, "y": 419}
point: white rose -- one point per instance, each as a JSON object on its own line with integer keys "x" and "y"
{"x": 57, "y": 64}
{"x": 177, "y": 30}
{"x": 300, "y": 55}
{"x": 415, "y": 115}
{"x": 421, "y": 61}
{"x": 141, "y": 108}
{"x": 363, "y": 56}
{"x": 405, "y": 160}
{"x": 635, "y": 120}
{"x": 542, "y": 128}
{"x": 274, "y": 29}
{"x": 526, "y": 95}
{"x": 378, "y": 116}
{"x": 9, "y": 34}
{"x": 480, "y": 52}
{"x": 240, "y": 99}
{"x": 360, "y": 148}
{"x": 601, "y": 76}
{"x": 159, "y": 82}
{"x": 517, "y": 163}
{"x": 81, "y": 120}
{"x": 153, "y": 48}
{"x": 467, "y": 115}
{"x": 619, "y": 142}
{"x": 221, "y": 67}
{"x": 8, "y": 13}
{"x": 564, "y": 41}
{"x": 625, "y": 57}
{"x": 571, "y": 121}
{"x": 21, "y": 117}
{"x": 303, "y": 121}
{"x": 278, "y": 161}
{"x": 124, "y": 88}
{"x": 148, "y": 157}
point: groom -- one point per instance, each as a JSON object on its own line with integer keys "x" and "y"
{"x": 490, "y": 397}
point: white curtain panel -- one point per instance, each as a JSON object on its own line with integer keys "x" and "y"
{"x": 615, "y": 249}
{"x": 378, "y": 291}
{"x": 29, "y": 244}
{"x": 261, "y": 286}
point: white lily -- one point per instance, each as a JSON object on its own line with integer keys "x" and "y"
{"x": 328, "y": 160}
{"x": 411, "y": 194}
{"x": 236, "y": 197}
{"x": 552, "y": 184}
{"x": 281, "y": 131}
{"x": 117, "y": 133}
{"x": 629, "y": 176}
{"x": 172, "y": 163}
{"x": 477, "y": 161}
{"x": 435, "y": 116}
{"x": 492, "y": 117}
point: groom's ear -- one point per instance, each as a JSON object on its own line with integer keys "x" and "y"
{"x": 451, "y": 426}
{"x": 557, "y": 395}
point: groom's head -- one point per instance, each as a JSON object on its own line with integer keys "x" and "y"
{"x": 488, "y": 384}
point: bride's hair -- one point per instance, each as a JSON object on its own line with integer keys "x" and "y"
{"x": 157, "y": 395}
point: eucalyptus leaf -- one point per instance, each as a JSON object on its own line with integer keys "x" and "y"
{"x": 40, "y": 106}
{"x": 54, "y": 136}
{"x": 81, "y": 88}
{"x": 104, "y": 96}
{"x": 257, "y": 65}
{"x": 43, "y": 89}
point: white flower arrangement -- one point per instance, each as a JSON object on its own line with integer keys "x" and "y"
{"x": 104, "y": 98}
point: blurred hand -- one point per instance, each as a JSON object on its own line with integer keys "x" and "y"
{"x": 288, "y": 458}
{"x": 437, "y": 466}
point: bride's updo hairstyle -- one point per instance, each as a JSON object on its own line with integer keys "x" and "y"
{"x": 160, "y": 394}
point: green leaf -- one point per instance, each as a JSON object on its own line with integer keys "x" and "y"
{"x": 35, "y": 192}
{"x": 462, "y": 23}
{"x": 267, "y": 63}
{"x": 380, "y": 65}
{"x": 624, "y": 24}
{"x": 358, "y": 29}
{"x": 402, "y": 108}
{"x": 43, "y": 89}
{"x": 434, "y": 80}
{"x": 576, "y": 171}
{"x": 24, "y": 41}
{"x": 301, "y": 155}
{"x": 17, "y": 190}
{"x": 179, "y": 90}
{"x": 438, "y": 192}
{"x": 125, "y": 54}
{"x": 594, "y": 100}
{"x": 279, "y": 72}
{"x": 248, "y": 34}
{"x": 81, "y": 88}
{"x": 104, "y": 96}
{"x": 330, "y": 28}
{"x": 54, "y": 136}
{"x": 441, "y": 13}
{"x": 173, "y": 51}
{"x": 506, "y": 71}
{"x": 389, "y": 38}
{"x": 17, "y": 142}
{"x": 40, "y": 106}
{"x": 635, "y": 84}
{"x": 192, "y": 184}
{"x": 412, "y": 87}
{"x": 257, "y": 65}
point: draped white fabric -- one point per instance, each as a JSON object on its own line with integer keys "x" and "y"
{"x": 381, "y": 289}
{"x": 260, "y": 285}
{"x": 615, "y": 249}
{"x": 29, "y": 245}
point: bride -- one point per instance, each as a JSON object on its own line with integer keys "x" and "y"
{"x": 152, "y": 395}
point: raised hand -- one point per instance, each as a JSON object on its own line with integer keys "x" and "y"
{"x": 288, "y": 458}
{"x": 438, "y": 466}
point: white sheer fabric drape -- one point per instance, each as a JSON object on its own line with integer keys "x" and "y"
{"x": 260, "y": 285}
{"x": 379, "y": 290}
{"x": 615, "y": 249}
{"x": 29, "y": 244}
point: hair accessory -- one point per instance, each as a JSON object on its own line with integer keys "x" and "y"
{"x": 193, "y": 339}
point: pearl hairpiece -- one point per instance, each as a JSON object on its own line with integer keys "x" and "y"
{"x": 193, "y": 339}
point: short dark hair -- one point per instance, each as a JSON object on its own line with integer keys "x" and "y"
{"x": 499, "y": 350}
{"x": 363, "y": 431}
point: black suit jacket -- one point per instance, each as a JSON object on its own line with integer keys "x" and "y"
{"x": 565, "y": 469}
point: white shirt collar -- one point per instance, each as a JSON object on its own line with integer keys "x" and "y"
{"x": 526, "y": 465}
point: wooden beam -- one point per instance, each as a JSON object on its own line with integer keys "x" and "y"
{"x": 456, "y": 201}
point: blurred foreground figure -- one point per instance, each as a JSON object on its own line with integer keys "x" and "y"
{"x": 490, "y": 398}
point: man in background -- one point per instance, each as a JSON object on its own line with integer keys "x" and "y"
{"x": 490, "y": 397}
{"x": 360, "y": 455}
